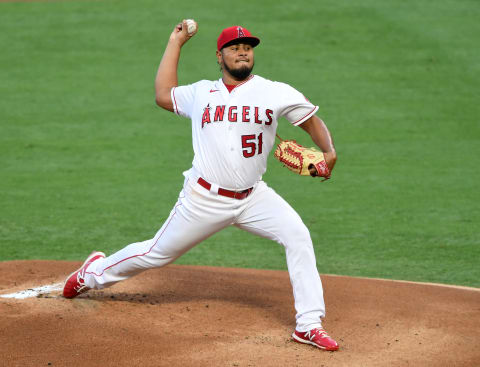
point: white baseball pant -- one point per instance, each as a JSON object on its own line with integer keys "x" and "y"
{"x": 198, "y": 214}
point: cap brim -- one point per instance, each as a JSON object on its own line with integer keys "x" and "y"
{"x": 252, "y": 41}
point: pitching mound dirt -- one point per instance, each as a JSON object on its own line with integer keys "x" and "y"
{"x": 203, "y": 316}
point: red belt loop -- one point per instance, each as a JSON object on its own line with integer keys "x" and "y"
{"x": 239, "y": 195}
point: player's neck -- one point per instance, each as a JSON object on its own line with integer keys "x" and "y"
{"x": 230, "y": 80}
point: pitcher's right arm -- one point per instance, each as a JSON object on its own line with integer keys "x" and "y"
{"x": 166, "y": 77}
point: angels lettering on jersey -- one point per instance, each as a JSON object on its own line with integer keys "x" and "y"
{"x": 242, "y": 114}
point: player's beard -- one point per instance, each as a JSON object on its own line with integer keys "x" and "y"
{"x": 242, "y": 73}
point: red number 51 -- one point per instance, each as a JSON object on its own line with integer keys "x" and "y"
{"x": 249, "y": 145}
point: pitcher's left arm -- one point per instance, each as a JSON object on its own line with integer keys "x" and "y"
{"x": 320, "y": 135}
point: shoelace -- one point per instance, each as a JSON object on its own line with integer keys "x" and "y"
{"x": 81, "y": 284}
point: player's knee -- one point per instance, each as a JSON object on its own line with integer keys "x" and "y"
{"x": 297, "y": 234}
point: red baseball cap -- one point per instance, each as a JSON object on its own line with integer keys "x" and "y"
{"x": 236, "y": 34}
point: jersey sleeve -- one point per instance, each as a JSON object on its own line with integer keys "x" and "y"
{"x": 183, "y": 98}
{"x": 295, "y": 107}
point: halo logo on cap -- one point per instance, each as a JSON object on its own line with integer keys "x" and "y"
{"x": 240, "y": 32}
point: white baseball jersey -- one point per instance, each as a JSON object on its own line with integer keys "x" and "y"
{"x": 233, "y": 132}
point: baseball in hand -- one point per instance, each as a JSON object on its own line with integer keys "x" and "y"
{"x": 191, "y": 26}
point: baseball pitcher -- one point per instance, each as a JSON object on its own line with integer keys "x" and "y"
{"x": 234, "y": 121}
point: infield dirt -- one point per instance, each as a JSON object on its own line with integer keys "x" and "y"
{"x": 204, "y": 316}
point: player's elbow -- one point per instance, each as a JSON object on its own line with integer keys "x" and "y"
{"x": 163, "y": 100}
{"x": 159, "y": 100}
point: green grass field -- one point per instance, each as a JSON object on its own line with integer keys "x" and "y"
{"x": 87, "y": 160}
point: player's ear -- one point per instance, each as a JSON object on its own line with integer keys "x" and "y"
{"x": 219, "y": 58}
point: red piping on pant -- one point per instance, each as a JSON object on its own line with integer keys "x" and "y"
{"x": 139, "y": 254}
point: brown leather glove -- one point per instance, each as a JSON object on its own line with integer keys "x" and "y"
{"x": 301, "y": 160}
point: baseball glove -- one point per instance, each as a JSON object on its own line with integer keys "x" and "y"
{"x": 301, "y": 160}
